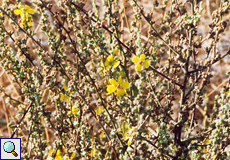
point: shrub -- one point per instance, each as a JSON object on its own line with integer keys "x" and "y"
{"x": 87, "y": 84}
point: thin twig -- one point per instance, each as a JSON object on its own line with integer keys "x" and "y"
{"x": 204, "y": 67}
{"x": 173, "y": 81}
{"x": 23, "y": 116}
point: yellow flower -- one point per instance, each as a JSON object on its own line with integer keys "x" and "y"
{"x": 24, "y": 10}
{"x": 25, "y": 17}
{"x": 118, "y": 86}
{"x": 75, "y": 110}
{"x": 110, "y": 62}
{"x": 63, "y": 96}
{"x": 141, "y": 62}
{"x": 206, "y": 142}
{"x": 99, "y": 110}
{"x": 0, "y": 13}
{"x": 102, "y": 135}
{"x": 72, "y": 156}
{"x": 129, "y": 135}
{"x": 93, "y": 152}
{"x": 59, "y": 154}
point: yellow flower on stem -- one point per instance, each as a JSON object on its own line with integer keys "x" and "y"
{"x": 129, "y": 135}
{"x": 206, "y": 142}
{"x": 63, "y": 96}
{"x": 94, "y": 151}
{"x": 59, "y": 154}
{"x": 24, "y": 10}
{"x": 25, "y": 17}
{"x": 102, "y": 135}
{"x": 141, "y": 62}
{"x": 110, "y": 62}
{"x": 118, "y": 86}
{"x": 99, "y": 110}
{"x": 75, "y": 110}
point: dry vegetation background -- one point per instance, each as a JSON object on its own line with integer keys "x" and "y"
{"x": 9, "y": 115}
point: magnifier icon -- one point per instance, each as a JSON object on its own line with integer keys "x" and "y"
{"x": 9, "y": 147}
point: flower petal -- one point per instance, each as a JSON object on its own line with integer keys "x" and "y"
{"x": 107, "y": 67}
{"x": 125, "y": 85}
{"x": 106, "y": 63}
{"x": 116, "y": 64}
{"x": 135, "y": 59}
{"x": 102, "y": 135}
{"x": 120, "y": 92}
{"x": 65, "y": 87}
{"x": 142, "y": 57}
{"x": 113, "y": 82}
{"x": 29, "y": 10}
{"x": 115, "y": 52}
{"x": 146, "y": 63}
{"x": 99, "y": 110}
{"x": 72, "y": 156}
{"x": 17, "y": 11}
{"x": 109, "y": 58}
{"x": 66, "y": 98}
{"x": 119, "y": 80}
{"x": 58, "y": 155}
{"x": 128, "y": 128}
{"x": 51, "y": 152}
{"x": 138, "y": 67}
{"x": 110, "y": 89}
{"x": 62, "y": 97}
{"x": 75, "y": 110}
{"x": 130, "y": 141}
